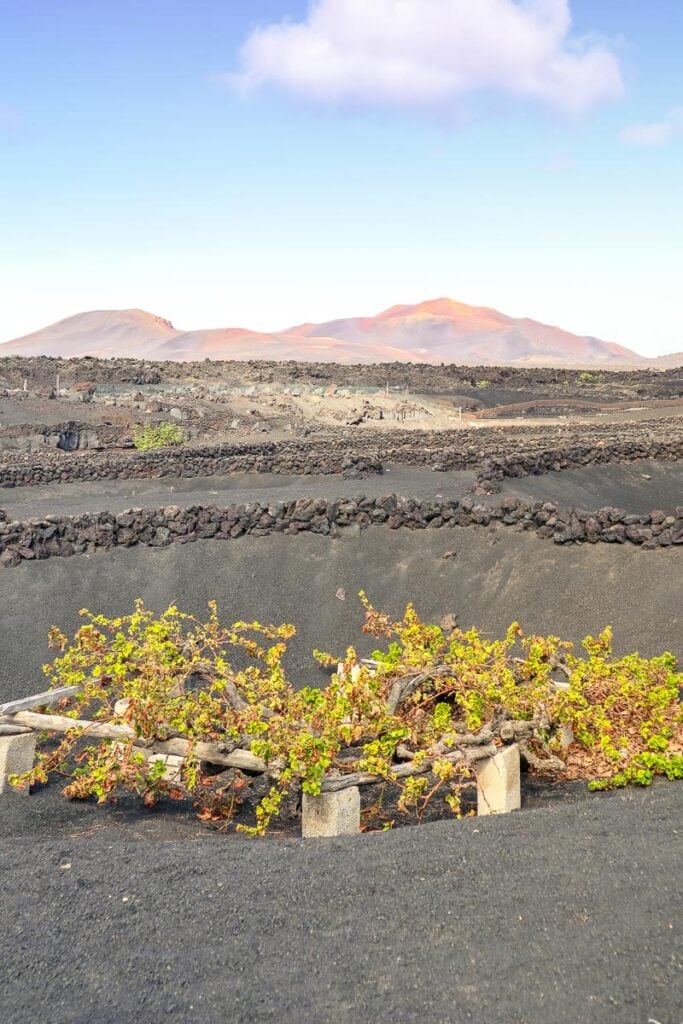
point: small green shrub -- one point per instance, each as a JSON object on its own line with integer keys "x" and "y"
{"x": 157, "y": 435}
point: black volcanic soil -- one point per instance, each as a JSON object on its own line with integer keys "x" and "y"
{"x": 496, "y": 576}
{"x": 563, "y": 913}
{"x": 637, "y": 487}
{"x": 236, "y": 488}
{"x": 559, "y": 915}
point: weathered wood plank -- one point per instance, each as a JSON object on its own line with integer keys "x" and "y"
{"x": 212, "y": 752}
{"x": 38, "y": 700}
{"x": 13, "y": 730}
{"x": 335, "y": 783}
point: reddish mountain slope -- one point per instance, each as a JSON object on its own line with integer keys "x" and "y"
{"x": 441, "y": 330}
{"x": 450, "y": 331}
{"x": 98, "y": 333}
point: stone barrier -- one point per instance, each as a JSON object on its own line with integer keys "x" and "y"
{"x": 71, "y": 535}
{"x": 493, "y": 452}
{"x": 69, "y": 436}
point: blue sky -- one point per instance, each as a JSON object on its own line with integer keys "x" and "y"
{"x": 162, "y": 155}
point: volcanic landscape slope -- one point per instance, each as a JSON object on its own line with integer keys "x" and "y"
{"x": 560, "y": 906}
{"x": 227, "y": 489}
{"x": 490, "y": 578}
{"x": 638, "y": 487}
{"x": 100, "y": 332}
{"x": 440, "y": 330}
{"x": 443, "y": 329}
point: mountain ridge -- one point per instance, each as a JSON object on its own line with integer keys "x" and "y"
{"x": 438, "y": 330}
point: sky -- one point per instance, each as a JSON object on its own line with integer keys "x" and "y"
{"x": 265, "y": 163}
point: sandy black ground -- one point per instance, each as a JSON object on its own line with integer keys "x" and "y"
{"x": 565, "y": 914}
{"x": 47, "y": 815}
{"x": 229, "y": 489}
{"x": 638, "y": 487}
{"x": 487, "y": 577}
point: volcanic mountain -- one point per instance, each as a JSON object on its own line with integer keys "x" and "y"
{"x": 437, "y": 331}
{"x": 669, "y": 362}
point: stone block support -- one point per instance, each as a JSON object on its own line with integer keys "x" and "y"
{"x": 331, "y": 814}
{"x": 173, "y": 763}
{"x": 498, "y": 782}
{"x": 17, "y": 754}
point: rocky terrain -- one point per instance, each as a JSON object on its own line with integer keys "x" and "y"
{"x": 93, "y": 403}
{"x": 566, "y": 515}
{"x": 276, "y": 454}
{"x": 71, "y": 423}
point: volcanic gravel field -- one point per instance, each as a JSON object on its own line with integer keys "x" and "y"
{"x": 487, "y": 577}
{"x": 637, "y": 487}
{"x": 564, "y": 913}
{"x": 235, "y": 488}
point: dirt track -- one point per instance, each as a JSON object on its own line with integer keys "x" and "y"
{"x": 583, "y": 406}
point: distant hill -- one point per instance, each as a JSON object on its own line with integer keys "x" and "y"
{"x": 669, "y": 362}
{"x": 103, "y": 333}
{"x": 440, "y": 330}
{"x": 443, "y": 330}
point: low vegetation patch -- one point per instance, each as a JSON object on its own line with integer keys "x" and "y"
{"x": 414, "y": 719}
{"x": 157, "y": 435}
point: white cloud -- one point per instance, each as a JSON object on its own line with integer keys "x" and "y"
{"x": 657, "y": 133}
{"x": 431, "y": 54}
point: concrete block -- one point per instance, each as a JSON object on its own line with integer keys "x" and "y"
{"x": 331, "y": 814}
{"x": 173, "y": 763}
{"x": 566, "y": 738}
{"x": 17, "y": 754}
{"x": 498, "y": 782}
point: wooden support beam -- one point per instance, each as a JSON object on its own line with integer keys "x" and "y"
{"x": 336, "y": 783}
{"x": 39, "y": 700}
{"x": 13, "y": 730}
{"x": 212, "y": 752}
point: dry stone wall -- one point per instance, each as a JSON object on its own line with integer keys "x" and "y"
{"x": 68, "y": 436}
{"x": 494, "y": 452}
{"x": 65, "y": 536}
{"x": 295, "y": 459}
